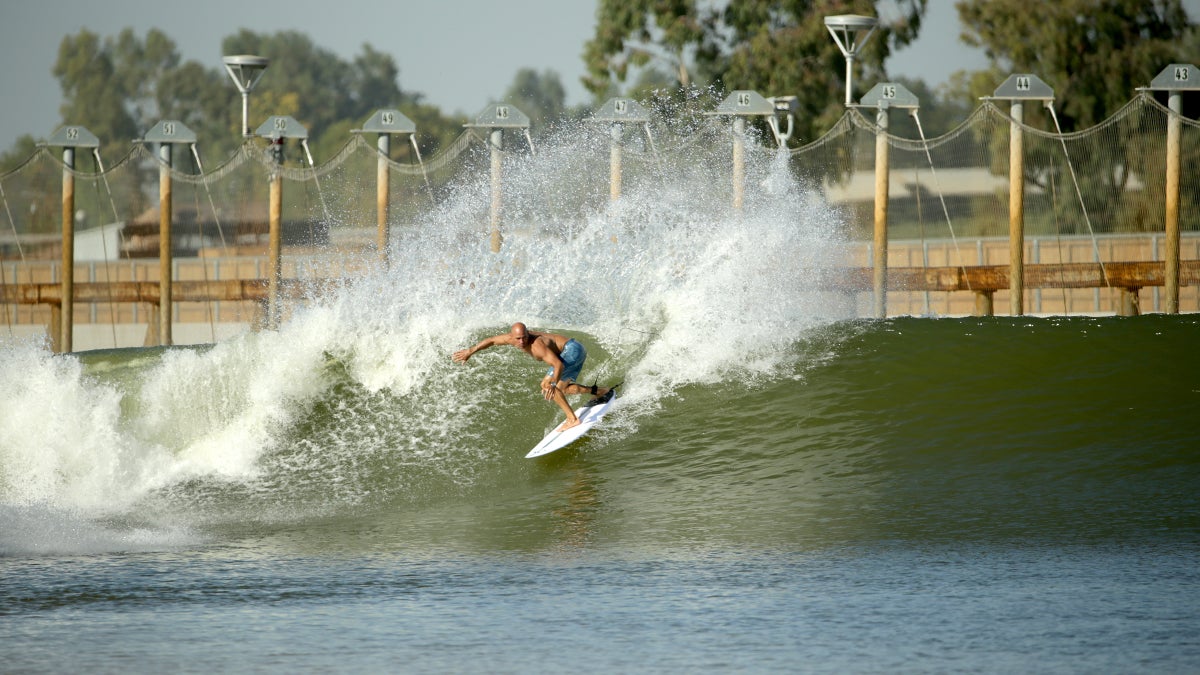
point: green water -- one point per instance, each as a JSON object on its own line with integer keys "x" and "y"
{"x": 1063, "y": 429}
{"x": 778, "y": 487}
{"x": 990, "y": 495}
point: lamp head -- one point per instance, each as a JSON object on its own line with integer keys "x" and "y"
{"x": 846, "y": 30}
{"x": 246, "y": 70}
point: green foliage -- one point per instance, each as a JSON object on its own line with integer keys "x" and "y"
{"x": 542, "y": 97}
{"x": 22, "y": 149}
{"x": 1094, "y": 53}
{"x": 681, "y": 57}
{"x": 33, "y": 191}
{"x": 96, "y": 94}
{"x": 434, "y": 131}
{"x": 775, "y": 47}
{"x": 118, "y": 87}
{"x": 200, "y": 98}
{"x": 632, "y": 32}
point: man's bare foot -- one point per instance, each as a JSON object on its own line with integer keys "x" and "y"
{"x": 568, "y": 424}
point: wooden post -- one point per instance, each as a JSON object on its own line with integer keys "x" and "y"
{"x": 152, "y": 326}
{"x": 55, "y": 328}
{"x": 67, "y": 307}
{"x": 275, "y": 241}
{"x": 382, "y": 196}
{"x": 739, "y": 162}
{"x": 1016, "y": 210}
{"x": 497, "y": 145}
{"x": 1130, "y": 304}
{"x": 164, "y": 245}
{"x": 1174, "y": 131}
{"x": 882, "y": 167}
{"x": 984, "y": 303}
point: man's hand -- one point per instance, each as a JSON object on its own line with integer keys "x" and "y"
{"x": 461, "y": 355}
{"x": 548, "y": 390}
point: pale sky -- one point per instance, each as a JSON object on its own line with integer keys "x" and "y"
{"x": 460, "y": 54}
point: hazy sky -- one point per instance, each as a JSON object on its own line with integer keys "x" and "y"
{"x": 458, "y": 53}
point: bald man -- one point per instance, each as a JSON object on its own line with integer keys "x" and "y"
{"x": 564, "y": 355}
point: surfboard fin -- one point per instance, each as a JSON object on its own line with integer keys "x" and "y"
{"x": 597, "y": 400}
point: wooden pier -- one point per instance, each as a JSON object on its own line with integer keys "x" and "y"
{"x": 983, "y": 280}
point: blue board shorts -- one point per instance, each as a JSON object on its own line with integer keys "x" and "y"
{"x": 573, "y": 355}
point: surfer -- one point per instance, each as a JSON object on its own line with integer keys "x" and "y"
{"x": 564, "y": 355}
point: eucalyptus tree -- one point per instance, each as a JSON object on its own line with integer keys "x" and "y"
{"x": 776, "y": 47}
{"x": 541, "y": 96}
{"x": 1094, "y": 54}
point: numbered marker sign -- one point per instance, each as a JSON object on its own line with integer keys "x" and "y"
{"x": 890, "y": 95}
{"x": 622, "y": 110}
{"x": 501, "y": 115}
{"x": 170, "y": 131}
{"x": 1024, "y": 86}
{"x": 389, "y": 121}
{"x": 73, "y": 136}
{"x": 282, "y": 126}
{"x": 744, "y": 103}
{"x": 1177, "y": 77}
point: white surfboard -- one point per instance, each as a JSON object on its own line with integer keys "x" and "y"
{"x": 588, "y": 416}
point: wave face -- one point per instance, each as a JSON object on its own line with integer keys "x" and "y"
{"x": 754, "y": 411}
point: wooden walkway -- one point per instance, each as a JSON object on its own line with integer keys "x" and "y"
{"x": 981, "y": 279}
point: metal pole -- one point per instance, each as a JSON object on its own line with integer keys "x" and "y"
{"x": 614, "y": 163}
{"x": 739, "y": 162}
{"x": 1016, "y": 211}
{"x": 245, "y": 114}
{"x": 164, "y": 245}
{"x": 382, "y": 198}
{"x": 497, "y": 143}
{"x": 1174, "y": 132}
{"x": 849, "y": 75}
{"x": 882, "y": 162}
{"x": 67, "y": 308}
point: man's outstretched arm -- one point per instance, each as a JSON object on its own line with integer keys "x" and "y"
{"x": 462, "y": 355}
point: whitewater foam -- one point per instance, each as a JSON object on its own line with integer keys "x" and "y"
{"x": 670, "y": 282}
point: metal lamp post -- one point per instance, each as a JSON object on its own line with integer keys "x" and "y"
{"x": 846, "y": 30}
{"x": 246, "y": 71}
